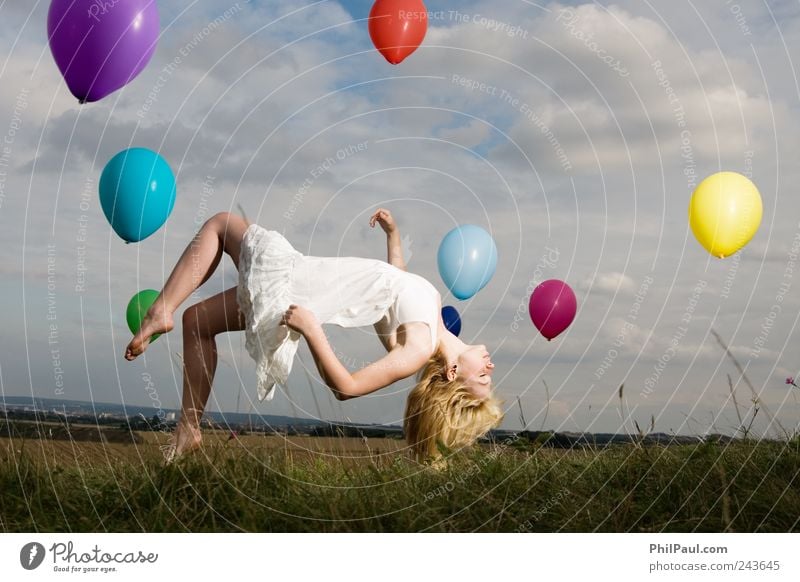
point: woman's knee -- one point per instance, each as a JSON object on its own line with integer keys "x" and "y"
{"x": 220, "y": 221}
{"x": 193, "y": 320}
{"x": 227, "y": 220}
{"x": 228, "y": 226}
{"x": 215, "y": 315}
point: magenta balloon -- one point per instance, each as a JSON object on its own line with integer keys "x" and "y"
{"x": 552, "y": 307}
{"x": 101, "y": 45}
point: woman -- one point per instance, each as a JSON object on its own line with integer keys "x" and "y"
{"x": 283, "y": 295}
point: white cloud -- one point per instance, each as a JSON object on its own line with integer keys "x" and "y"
{"x": 610, "y": 283}
{"x": 469, "y": 135}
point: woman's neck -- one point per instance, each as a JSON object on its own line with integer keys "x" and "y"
{"x": 450, "y": 345}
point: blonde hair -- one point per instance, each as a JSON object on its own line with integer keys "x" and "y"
{"x": 446, "y": 411}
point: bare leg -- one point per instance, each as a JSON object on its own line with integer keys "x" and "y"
{"x": 201, "y": 323}
{"x": 221, "y": 232}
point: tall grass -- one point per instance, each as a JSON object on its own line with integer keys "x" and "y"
{"x": 514, "y": 486}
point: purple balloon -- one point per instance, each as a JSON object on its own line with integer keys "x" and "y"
{"x": 552, "y": 307}
{"x": 101, "y": 45}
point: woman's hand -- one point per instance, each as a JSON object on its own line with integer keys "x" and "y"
{"x": 394, "y": 250}
{"x": 385, "y": 219}
{"x": 300, "y": 319}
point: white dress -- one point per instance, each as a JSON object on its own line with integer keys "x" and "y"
{"x": 346, "y": 291}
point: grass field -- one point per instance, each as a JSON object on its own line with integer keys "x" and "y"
{"x": 306, "y": 484}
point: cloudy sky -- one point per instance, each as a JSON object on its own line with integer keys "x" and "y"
{"x": 574, "y": 133}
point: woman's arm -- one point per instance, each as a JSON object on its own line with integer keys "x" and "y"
{"x": 333, "y": 372}
{"x": 399, "y": 363}
{"x": 394, "y": 249}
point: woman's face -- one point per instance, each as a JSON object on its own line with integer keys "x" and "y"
{"x": 474, "y": 367}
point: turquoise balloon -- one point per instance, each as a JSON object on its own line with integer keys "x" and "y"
{"x": 467, "y": 260}
{"x": 137, "y": 193}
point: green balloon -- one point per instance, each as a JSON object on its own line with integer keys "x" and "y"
{"x": 137, "y": 309}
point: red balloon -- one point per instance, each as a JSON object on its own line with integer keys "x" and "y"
{"x": 397, "y": 27}
{"x": 552, "y": 307}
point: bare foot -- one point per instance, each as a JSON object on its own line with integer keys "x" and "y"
{"x": 185, "y": 439}
{"x": 157, "y": 320}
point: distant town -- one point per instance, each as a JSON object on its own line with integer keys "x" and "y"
{"x": 52, "y": 418}
{"x": 144, "y": 418}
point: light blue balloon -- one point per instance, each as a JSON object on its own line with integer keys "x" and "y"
{"x": 137, "y": 193}
{"x": 467, "y": 260}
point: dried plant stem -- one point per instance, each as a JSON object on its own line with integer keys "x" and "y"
{"x": 726, "y": 499}
{"x": 767, "y": 411}
{"x": 636, "y": 441}
{"x": 547, "y": 408}
{"x": 521, "y": 414}
{"x": 736, "y": 404}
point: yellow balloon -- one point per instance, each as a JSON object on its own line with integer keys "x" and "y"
{"x": 725, "y": 213}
